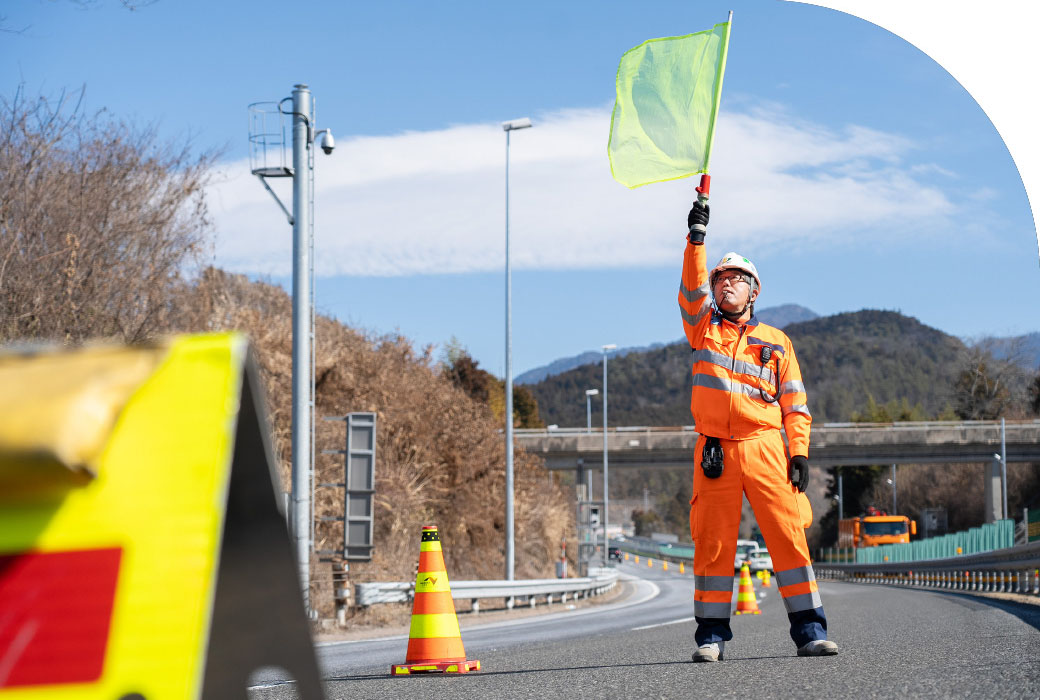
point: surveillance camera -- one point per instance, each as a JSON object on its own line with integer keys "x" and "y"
{"x": 327, "y": 142}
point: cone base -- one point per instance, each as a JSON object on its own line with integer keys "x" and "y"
{"x": 463, "y": 666}
{"x": 748, "y": 612}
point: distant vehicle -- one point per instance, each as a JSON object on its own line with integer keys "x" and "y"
{"x": 744, "y": 548}
{"x": 614, "y": 553}
{"x": 875, "y": 528}
{"x": 760, "y": 560}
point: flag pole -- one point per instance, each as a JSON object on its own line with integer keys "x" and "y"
{"x": 705, "y": 184}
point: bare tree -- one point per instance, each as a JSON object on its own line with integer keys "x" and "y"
{"x": 987, "y": 387}
{"x": 98, "y": 219}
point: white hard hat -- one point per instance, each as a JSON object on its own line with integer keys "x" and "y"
{"x": 736, "y": 261}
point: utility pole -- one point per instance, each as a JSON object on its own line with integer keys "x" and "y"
{"x": 301, "y": 336}
{"x": 267, "y": 160}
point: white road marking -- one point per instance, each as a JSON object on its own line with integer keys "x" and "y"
{"x": 662, "y": 624}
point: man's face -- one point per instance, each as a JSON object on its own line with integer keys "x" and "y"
{"x": 731, "y": 290}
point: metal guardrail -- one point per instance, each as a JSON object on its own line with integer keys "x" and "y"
{"x": 643, "y": 547}
{"x": 601, "y": 581}
{"x": 1011, "y": 570}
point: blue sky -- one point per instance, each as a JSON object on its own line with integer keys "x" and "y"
{"x": 850, "y": 166}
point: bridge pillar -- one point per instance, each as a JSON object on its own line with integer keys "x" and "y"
{"x": 994, "y": 510}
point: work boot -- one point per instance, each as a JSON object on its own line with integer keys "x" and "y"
{"x": 709, "y": 652}
{"x": 818, "y": 647}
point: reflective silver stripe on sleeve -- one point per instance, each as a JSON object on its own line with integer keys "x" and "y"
{"x": 715, "y": 610}
{"x": 692, "y": 319}
{"x": 694, "y": 295}
{"x": 797, "y": 408}
{"x": 713, "y": 583}
{"x": 792, "y": 388}
{"x": 739, "y": 366}
{"x": 801, "y": 574}
{"x": 805, "y": 601}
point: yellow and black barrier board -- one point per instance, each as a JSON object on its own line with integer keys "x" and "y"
{"x": 142, "y": 552}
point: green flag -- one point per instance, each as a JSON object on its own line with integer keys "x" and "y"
{"x": 668, "y": 94}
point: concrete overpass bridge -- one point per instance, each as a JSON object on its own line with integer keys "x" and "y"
{"x": 831, "y": 444}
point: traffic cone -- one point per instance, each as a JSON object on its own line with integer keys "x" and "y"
{"x": 746, "y": 602}
{"x": 765, "y": 578}
{"x": 434, "y": 641}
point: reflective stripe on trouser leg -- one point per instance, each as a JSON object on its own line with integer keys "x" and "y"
{"x": 782, "y": 514}
{"x": 714, "y": 522}
{"x": 798, "y": 588}
{"x": 712, "y": 596}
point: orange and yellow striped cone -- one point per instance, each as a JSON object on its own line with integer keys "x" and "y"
{"x": 746, "y": 602}
{"x": 434, "y": 640}
{"x": 765, "y": 578}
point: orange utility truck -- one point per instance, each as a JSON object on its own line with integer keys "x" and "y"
{"x": 875, "y": 528}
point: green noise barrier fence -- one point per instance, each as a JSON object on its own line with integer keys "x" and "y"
{"x": 985, "y": 538}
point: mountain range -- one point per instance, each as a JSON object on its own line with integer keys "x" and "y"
{"x": 850, "y": 362}
{"x": 778, "y": 316}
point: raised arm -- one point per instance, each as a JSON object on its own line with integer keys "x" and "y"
{"x": 694, "y": 292}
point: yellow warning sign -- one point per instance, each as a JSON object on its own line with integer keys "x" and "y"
{"x": 121, "y": 555}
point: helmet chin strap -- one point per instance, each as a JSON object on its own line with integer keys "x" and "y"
{"x": 734, "y": 316}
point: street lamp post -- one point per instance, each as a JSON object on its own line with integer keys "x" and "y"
{"x": 509, "y": 126}
{"x": 841, "y": 497}
{"x": 606, "y": 496}
{"x": 1003, "y": 468}
{"x": 895, "y": 503}
{"x": 589, "y": 393}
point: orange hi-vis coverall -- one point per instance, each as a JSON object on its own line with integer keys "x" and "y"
{"x": 745, "y": 403}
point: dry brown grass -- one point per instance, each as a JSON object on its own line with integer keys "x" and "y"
{"x": 440, "y": 454}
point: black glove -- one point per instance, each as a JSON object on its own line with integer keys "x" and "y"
{"x": 697, "y": 222}
{"x": 798, "y": 472}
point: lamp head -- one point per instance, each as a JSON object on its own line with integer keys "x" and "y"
{"x": 514, "y": 124}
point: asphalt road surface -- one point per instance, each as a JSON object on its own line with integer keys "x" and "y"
{"x": 895, "y": 642}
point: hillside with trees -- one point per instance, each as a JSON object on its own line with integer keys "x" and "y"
{"x": 847, "y": 360}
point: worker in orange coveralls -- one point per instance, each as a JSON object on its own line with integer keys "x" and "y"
{"x": 746, "y": 388}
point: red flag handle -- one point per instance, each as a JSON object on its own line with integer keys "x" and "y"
{"x": 702, "y": 189}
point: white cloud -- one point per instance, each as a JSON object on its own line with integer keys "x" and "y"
{"x": 433, "y": 202}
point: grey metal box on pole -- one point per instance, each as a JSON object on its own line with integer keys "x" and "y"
{"x": 361, "y": 481}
